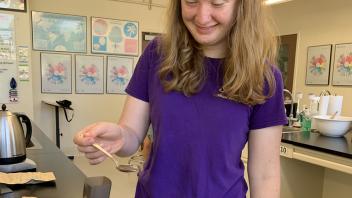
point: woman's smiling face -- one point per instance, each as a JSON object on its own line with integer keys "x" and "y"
{"x": 208, "y": 21}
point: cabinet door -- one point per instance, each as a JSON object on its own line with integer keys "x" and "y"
{"x": 244, "y": 158}
{"x": 246, "y": 178}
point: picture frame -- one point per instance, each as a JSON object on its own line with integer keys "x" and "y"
{"x": 59, "y": 32}
{"x": 14, "y": 5}
{"x": 89, "y": 72}
{"x": 118, "y": 74}
{"x": 342, "y": 72}
{"x": 318, "y": 65}
{"x": 56, "y": 73}
{"x": 114, "y": 36}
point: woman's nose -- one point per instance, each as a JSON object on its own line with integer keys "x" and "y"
{"x": 203, "y": 14}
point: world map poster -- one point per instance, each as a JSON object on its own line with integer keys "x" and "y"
{"x": 58, "y": 32}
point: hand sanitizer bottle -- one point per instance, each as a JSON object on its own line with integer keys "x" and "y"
{"x": 306, "y": 123}
{"x": 313, "y": 110}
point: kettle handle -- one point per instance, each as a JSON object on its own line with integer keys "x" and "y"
{"x": 27, "y": 121}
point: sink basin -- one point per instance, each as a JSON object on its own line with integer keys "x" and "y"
{"x": 287, "y": 129}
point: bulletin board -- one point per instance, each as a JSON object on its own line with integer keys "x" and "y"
{"x": 8, "y": 69}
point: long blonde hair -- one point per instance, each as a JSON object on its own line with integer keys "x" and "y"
{"x": 252, "y": 48}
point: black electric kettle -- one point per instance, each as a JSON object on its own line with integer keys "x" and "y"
{"x": 13, "y": 142}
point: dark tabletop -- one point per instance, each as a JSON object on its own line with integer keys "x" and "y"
{"x": 341, "y": 146}
{"x": 69, "y": 179}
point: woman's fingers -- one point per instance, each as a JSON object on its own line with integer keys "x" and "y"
{"x": 105, "y": 134}
{"x": 83, "y": 138}
{"x": 86, "y": 149}
{"x": 94, "y": 155}
{"x": 97, "y": 160}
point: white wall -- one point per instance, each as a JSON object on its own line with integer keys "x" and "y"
{"x": 25, "y": 95}
{"x": 317, "y": 22}
{"x": 89, "y": 108}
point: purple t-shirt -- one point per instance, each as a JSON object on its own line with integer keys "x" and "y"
{"x": 198, "y": 140}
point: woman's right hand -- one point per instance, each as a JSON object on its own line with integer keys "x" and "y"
{"x": 107, "y": 135}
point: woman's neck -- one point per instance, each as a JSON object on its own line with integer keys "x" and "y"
{"x": 214, "y": 51}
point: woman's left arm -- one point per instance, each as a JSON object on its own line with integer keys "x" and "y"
{"x": 264, "y": 162}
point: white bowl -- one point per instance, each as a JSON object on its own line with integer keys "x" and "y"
{"x": 336, "y": 127}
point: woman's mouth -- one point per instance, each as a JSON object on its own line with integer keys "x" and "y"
{"x": 205, "y": 29}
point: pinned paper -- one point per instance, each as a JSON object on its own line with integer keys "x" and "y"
{"x": 26, "y": 178}
{"x": 23, "y": 63}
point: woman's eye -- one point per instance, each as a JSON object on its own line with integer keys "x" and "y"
{"x": 218, "y": 3}
{"x": 191, "y": 1}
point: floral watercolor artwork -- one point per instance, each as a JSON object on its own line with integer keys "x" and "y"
{"x": 318, "y": 65}
{"x": 119, "y": 73}
{"x": 343, "y": 65}
{"x": 89, "y": 74}
{"x": 56, "y": 73}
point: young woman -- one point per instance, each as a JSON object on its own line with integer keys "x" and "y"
{"x": 207, "y": 87}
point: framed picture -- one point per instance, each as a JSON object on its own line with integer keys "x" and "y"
{"x": 119, "y": 72}
{"x": 56, "y": 72}
{"x": 318, "y": 65}
{"x": 14, "y": 5}
{"x": 342, "y": 65}
{"x": 89, "y": 74}
{"x": 59, "y": 32}
{"x": 113, "y": 36}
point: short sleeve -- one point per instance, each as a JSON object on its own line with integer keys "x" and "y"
{"x": 272, "y": 112}
{"x": 138, "y": 85}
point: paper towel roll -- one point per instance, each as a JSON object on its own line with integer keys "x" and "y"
{"x": 335, "y": 104}
{"x": 323, "y": 105}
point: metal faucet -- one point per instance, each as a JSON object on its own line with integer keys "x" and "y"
{"x": 325, "y": 92}
{"x": 291, "y": 119}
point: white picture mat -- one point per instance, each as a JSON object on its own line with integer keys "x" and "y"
{"x": 119, "y": 72}
{"x": 318, "y": 65}
{"x": 13, "y": 4}
{"x": 89, "y": 74}
{"x": 56, "y": 73}
{"x": 342, "y": 74}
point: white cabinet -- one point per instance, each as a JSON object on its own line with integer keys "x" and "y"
{"x": 306, "y": 173}
{"x": 244, "y": 158}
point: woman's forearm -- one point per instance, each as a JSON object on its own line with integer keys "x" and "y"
{"x": 265, "y": 186}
